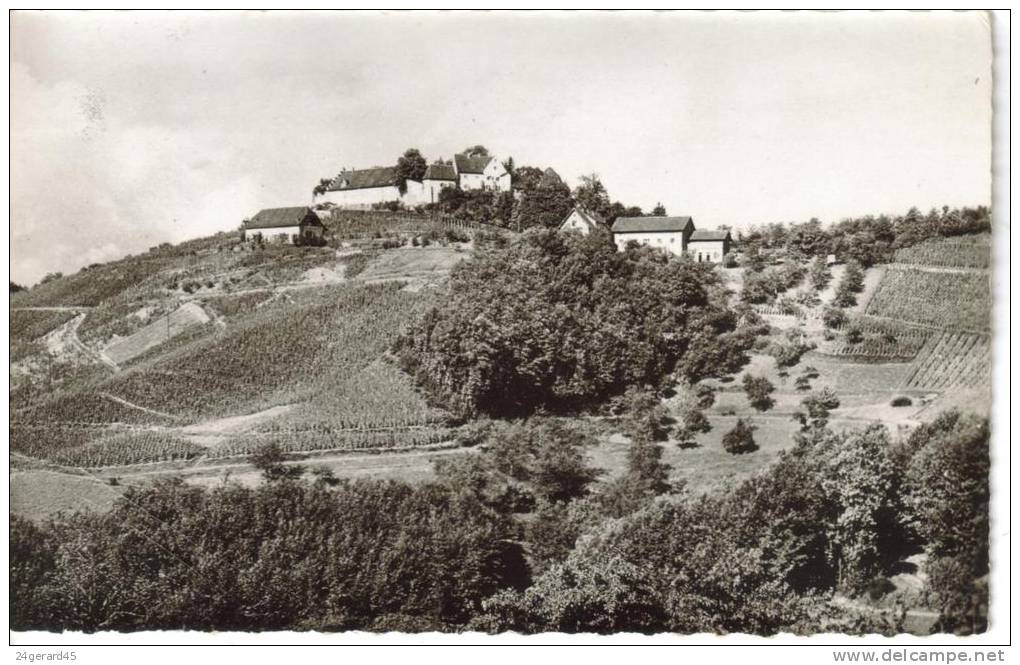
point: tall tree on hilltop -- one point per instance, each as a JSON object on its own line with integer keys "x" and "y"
{"x": 592, "y": 194}
{"x": 410, "y": 166}
{"x": 477, "y": 151}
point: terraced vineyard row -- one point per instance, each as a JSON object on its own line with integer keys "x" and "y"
{"x": 342, "y": 441}
{"x": 129, "y": 448}
{"x": 954, "y": 300}
{"x": 950, "y": 360}
{"x": 947, "y": 253}
{"x": 871, "y": 349}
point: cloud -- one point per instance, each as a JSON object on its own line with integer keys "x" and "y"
{"x": 87, "y": 186}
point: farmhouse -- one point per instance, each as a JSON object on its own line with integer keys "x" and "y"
{"x": 676, "y": 235}
{"x": 711, "y": 246}
{"x": 289, "y": 225}
{"x": 477, "y": 172}
{"x": 582, "y": 221}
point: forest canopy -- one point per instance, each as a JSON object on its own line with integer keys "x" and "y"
{"x": 562, "y": 322}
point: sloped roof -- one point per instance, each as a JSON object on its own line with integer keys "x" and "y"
{"x": 592, "y": 219}
{"x": 276, "y": 217}
{"x": 652, "y": 224}
{"x": 377, "y": 176}
{"x": 467, "y": 164}
{"x": 440, "y": 172}
{"x": 705, "y": 234}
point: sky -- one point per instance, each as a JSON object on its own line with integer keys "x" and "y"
{"x": 129, "y": 129}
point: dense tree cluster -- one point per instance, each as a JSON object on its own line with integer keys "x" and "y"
{"x": 564, "y": 322}
{"x": 870, "y": 239}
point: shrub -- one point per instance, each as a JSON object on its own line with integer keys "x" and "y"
{"x": 759, "y": 391}
{"x": 901, "y": 400}
{"x": 740, "y": 439}
{"x": 833, "y": 317}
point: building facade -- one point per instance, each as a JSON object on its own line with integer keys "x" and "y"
{"x": 582, "y": 220}
{"x": 476, "y": 172}
{"x": 666, "y": 233}
{"x": 294, "y": 226}
{"x": 675, "y": 235}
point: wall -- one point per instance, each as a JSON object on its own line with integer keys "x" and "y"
{"x": 709, "y": 250}
{"x": 361, "y": 199}
{"x": 432, "y": 188}
{"x": 273, "y": 234}
{"x": 671, "y": 241}
{"x": 575, "y": 223}
{"x": 472, "y": 181}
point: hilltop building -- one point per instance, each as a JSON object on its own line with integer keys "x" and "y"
{"x": 359, "y": 189}
{"x": 582, "y": 221}
{"x": 286, "y": 225}
{"x": 676, "y": 235}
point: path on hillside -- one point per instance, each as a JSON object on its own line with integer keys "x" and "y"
{"x": 137, "y": 407}
{"x": 54, "y": 308}
{"x": 65, "y": 338}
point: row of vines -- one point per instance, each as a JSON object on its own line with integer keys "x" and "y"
{"x": 955, "y": 301}
{"x": 952, "y": 360}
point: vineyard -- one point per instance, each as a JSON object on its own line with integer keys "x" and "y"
{"x": 949, "y": 253}
{"x": 283, "y": 353}
{"x": 352, "y": 440}
{"x": 952, "y": 360}
{"x": 950, "y": 300}
{"x": 29, "y": 325}
{"x": 349, "y": 224}
{"x": 126, "y": 448}
{"x": 880, "y": 340}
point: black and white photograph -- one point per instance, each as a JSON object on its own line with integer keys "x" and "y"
{"x": 494, "y": 327}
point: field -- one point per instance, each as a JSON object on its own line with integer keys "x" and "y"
{"x": 956, "y": 300}
{"x": 952, "y": 360}
{"x": 963, "y": 252}
{"x": 159, "y": 331}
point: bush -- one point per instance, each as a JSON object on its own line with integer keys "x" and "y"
{"x": 833, "y": 317}
{"x": 901, "y": 401}
{"x": 740, "y": 439}
{"x": 759, "y": 391}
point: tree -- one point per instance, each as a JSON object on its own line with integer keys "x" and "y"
{"x": 410, "y": 166}
{"x": 270, "y": 460}
{"x": 740, "y": 439}
{"x": 592, "y": 194}
{"x": 819, "y": 273}
{"x": 659, "y": 210}
{"x": 476, "y": 151}
{"x": 15, "y": 287}
{"x": 814, "y": 414}
{"x": 527, "y": 178}
{"x": 759, "y": 391}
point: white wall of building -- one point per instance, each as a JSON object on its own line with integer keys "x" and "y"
{"x": 574, "y": 223}
{"x": 671, "y": 241}
{"x": 274, "y": 233}
{"x": 433, "y": 187}
{"x": 706, "y": 250}
{"x": 362, "y": 199}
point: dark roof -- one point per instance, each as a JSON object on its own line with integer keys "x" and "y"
{"x": 440, "y": 172}
{"x": 467, "y": 164}
{"x": 592, "y": 219}
{"x": 276, "y": 217}
{"x": 705, "y": 234}
{"x": 652, "y": 224}
{"x": 377, "y": 176}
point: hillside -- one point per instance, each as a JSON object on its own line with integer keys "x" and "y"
{"x": 187, "y": 358}
{"x": 207, "y": 349}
